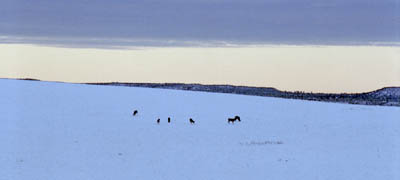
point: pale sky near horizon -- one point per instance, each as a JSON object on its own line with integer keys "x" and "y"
{"x": 304, "y": 45}
{"x": 286, "y": 67}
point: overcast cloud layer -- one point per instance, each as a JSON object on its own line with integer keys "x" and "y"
{"x": 199, "y": 23}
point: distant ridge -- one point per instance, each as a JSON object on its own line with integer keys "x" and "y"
{"x": 388, "y": 96}
{"x": 29, "y": 79}
{"x": 387, "y": 91}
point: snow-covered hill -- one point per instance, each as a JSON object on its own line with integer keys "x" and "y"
{"x": 63, "y": 131}
{"x": 387, "y": 92}
{"x": 388, "y": 96}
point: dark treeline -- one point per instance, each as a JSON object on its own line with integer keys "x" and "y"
{"x": 389, "y": 96}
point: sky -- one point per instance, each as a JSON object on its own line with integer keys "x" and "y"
{"x": 306, "y": 45}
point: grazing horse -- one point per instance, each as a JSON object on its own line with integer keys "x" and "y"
{"x": 191, "y": 121}
{"x": 169, "y": 119}
{"x": 158, "y": 121}
{"x": 135, "y": 112}
{"x": 232, "y": 120}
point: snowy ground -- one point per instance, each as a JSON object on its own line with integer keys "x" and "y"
{"x": 57, "y": 131}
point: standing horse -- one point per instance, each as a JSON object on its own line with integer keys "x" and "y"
{"x": 191, "y": 121}
{"x": 232, "y": 120}
{"x": 169, "y": 119}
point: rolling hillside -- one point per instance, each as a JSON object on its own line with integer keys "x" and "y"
{"x": 65, "y": 131}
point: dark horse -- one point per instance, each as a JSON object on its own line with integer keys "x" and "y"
{"x": 191, "y": 121}
{"x": 158, "y": 121}
{"x": 135, "y": 112}
{"x": 169, "y": 119}
{"x": 232, "y": 120}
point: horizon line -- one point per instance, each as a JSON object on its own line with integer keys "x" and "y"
{"x": 181, "y": 83}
